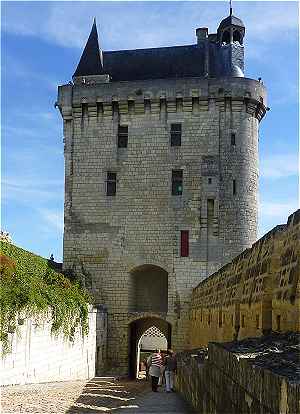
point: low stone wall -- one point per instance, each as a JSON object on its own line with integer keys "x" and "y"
{"x": 37, "y": 356}
{"x": 258, "y": 292}
{"x": 223, "y": 383}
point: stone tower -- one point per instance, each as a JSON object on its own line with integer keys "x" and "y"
{"x": 161, "y": 177}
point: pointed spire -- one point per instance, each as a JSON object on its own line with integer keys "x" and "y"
{"x": 91, "y": 61}
{"x": 230, "y": 2}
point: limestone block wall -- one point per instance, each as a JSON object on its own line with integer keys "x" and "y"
{"x": 257, "y": 292}
{"x": 37, "y": 356}
{"x": 110, "y": 239}
{"x": 224, "y": 384}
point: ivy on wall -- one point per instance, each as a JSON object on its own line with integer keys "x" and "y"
{"x": 30, "y": 288}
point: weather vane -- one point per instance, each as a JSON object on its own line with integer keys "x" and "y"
{"x": 230, "y": 2}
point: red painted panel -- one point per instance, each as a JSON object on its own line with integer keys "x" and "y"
{"x": 184, "y": 243}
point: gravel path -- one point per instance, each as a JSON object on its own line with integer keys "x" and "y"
{"x": 51, "y": 398}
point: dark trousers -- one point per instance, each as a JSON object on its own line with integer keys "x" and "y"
{"x": 154, "y": 382}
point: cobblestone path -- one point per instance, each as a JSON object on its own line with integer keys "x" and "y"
{"x": 99, "y": 395}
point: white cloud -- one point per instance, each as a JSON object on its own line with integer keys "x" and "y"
{"x": 54, "y": 218}
{"x": 28, "y": 190}
{"x": 68, "y": 24}
{"x": 280, "y": 166}
{"x": 278, "y": 211}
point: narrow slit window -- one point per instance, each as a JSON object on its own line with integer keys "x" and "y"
{"x": 177, "y": 179}
{"x": 175, "y": 135}
{"x": 243, "y": 321}
{"x": 184, "y": 243}
{"x": 278, "y": 322}
{"x": 233, "y": 139}
{"x": 111, "y": 184}
{"x": 234, "y": 187}
{"x": 122, "y": 136}
{"x": 257, "y": 321}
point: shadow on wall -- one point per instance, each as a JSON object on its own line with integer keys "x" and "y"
{"x": 150, "y": 289}
{"x": 258, "y": 292}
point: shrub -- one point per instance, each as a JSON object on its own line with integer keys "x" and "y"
{"x": 29, "y": 288}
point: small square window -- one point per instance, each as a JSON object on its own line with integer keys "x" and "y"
{"x": 177, "y": 179}
{"x": 111, "y": 184}
{"x": 175, "y": 135}
{"x": 123, "y": 136}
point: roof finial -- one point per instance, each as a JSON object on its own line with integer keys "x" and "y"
{"x": 230, "y": 2}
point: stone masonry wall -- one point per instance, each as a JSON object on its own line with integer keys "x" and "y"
{"x": 111, "y": 238}
{"x": 257, "y": 292}
{"x": 224, "y": 384}
{"x": 37, "y": 356}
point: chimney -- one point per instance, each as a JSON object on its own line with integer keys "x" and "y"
{"x": 201, "y": 33}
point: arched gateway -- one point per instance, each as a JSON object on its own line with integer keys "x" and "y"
{"x": 137, "y": 329}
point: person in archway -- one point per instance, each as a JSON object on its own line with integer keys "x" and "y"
{"x": 170, "y": 370}
{"x": 154, "y": 363}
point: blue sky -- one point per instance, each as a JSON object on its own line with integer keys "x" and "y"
{"x": 41, "y": 46}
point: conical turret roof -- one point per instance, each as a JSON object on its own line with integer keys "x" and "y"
{"x": 91, "y": 59}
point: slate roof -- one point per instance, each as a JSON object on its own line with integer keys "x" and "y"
{"x": 158, "y": 63}
{"x": 231, "y": 20}
{"x": 91, "y": 60}
{"x": 152, "y": 63}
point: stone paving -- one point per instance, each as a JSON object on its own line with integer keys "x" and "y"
{"x": 99, "y": 395}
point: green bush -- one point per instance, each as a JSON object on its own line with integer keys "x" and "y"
{"x": 29, "y": 287}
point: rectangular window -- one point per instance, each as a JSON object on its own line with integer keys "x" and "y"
{"x": 111, "y": 184}
{"x": 123, "y": 136}
{"x": 233, "y": 187}
{"x": 184, "y": 243}
{"x": 175, "y": 135}
{"x": 232, "y": 139}
{"x": 177, "y": 178}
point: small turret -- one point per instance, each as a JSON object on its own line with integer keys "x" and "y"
{"x": 231, "y": 30}
{"x": 91, "y": 61}
{"x": 230, "y": 37}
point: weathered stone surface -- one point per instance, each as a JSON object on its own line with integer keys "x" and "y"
{"x": 226, "y": 380}
{"x": 257, "y": 292}
{"x": 114, "y": 237}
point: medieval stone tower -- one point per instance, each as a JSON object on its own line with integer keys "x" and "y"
{"x": 161, "y": 177}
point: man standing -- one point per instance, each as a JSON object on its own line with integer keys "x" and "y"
{"x": 170, "y": 370}
{"x": 155, "y": 363}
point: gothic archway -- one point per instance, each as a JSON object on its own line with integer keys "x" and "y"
{"x": 137, "y": 329}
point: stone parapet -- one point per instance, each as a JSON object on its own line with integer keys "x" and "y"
{"x": 221, "y": 382}
{"x": 257, "y": 292}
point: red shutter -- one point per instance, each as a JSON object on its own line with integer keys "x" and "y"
{"x": 184, "y": 243}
